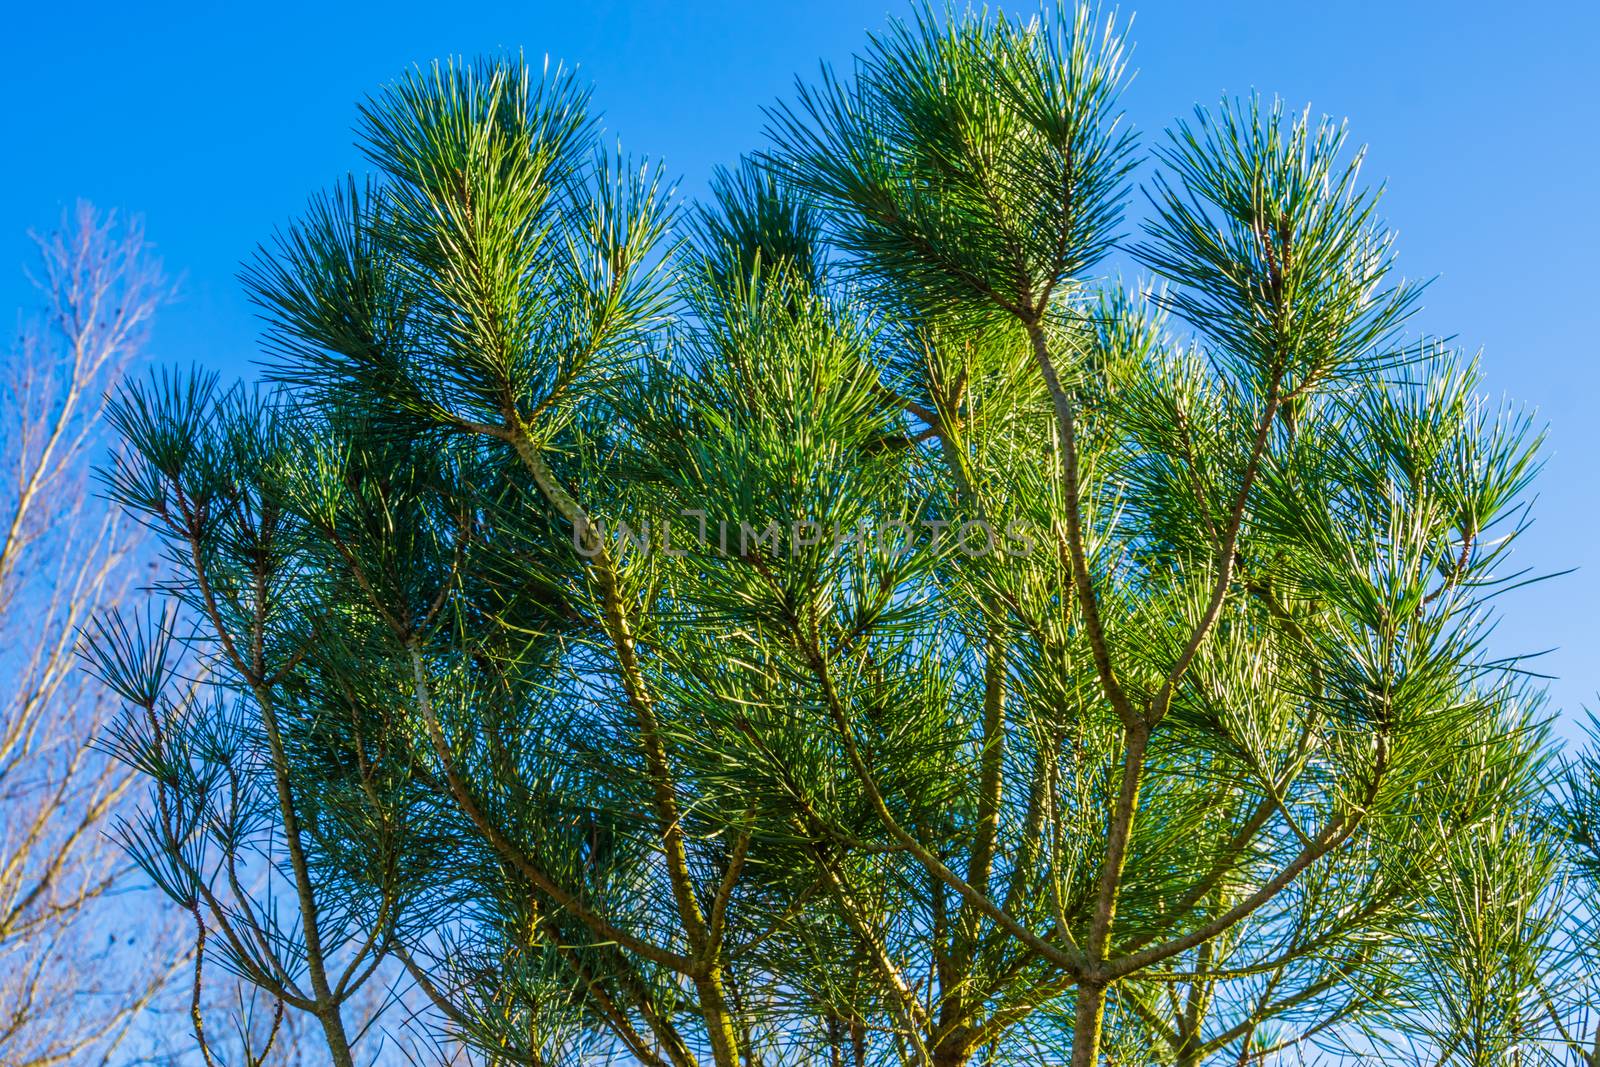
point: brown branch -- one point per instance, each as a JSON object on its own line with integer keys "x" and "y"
{"x": 1082, "y": 580}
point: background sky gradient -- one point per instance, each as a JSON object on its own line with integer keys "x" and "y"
{"x": 215, "y": 123}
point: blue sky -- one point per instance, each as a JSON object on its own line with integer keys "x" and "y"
{"x": 216, "y": 122}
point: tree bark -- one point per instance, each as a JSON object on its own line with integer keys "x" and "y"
{"x": 1087, "y": 1025}
{"x": 954, "y": 1050}
{"x": 718, "y": 1018}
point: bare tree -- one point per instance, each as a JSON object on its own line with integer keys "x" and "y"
{"x": 71, "y": 984}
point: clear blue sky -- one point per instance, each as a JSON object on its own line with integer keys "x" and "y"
{"x": 216, "y": 122}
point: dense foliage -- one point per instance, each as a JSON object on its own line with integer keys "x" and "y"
{"x": 838, "y": 623}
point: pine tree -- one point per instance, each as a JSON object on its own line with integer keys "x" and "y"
{"x": 857, "y": 629}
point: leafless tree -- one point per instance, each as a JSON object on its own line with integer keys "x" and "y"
{"x": 73, "y": 977}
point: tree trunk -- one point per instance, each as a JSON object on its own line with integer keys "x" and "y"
{"x": 718, "y": 1019}
{"x": 338, "y": 1040}
{"x": 1086, "y": 1028}
{"x": 953, "y": 1051}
